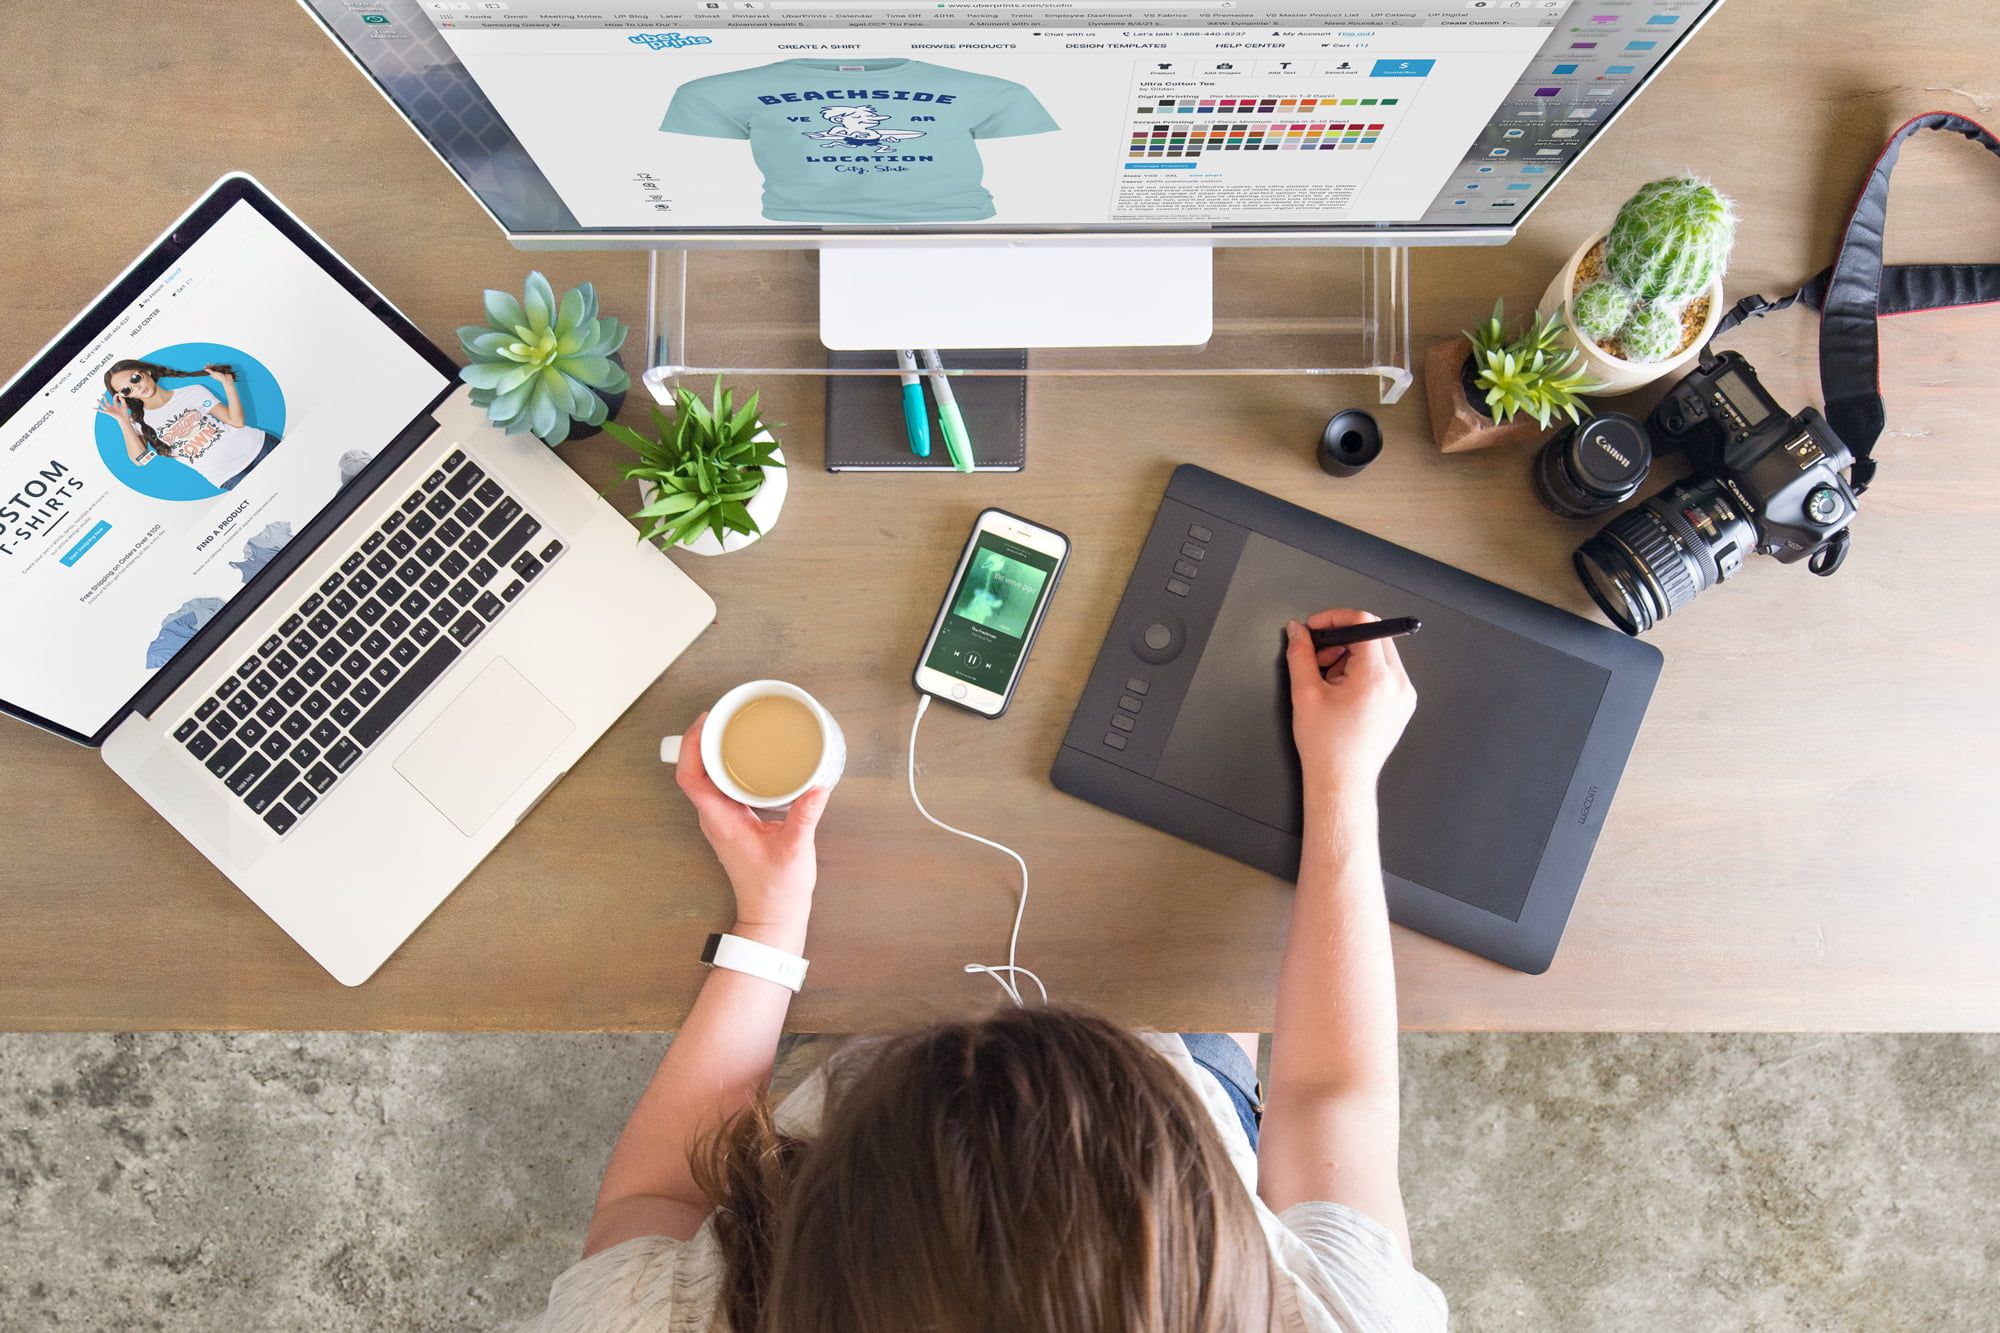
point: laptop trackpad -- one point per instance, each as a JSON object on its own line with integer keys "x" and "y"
{"x": 481, "y": 749}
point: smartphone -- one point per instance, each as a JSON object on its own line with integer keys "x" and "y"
{"x": 987, "y": 621}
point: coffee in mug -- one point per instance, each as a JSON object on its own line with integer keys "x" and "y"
{"x": 766, "y": 743}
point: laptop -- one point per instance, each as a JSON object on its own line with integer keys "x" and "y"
{"x": 258, "y": 546}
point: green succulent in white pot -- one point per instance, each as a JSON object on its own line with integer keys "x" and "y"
{"x": 539, "y": 364}
{"x": 711, "y": 476}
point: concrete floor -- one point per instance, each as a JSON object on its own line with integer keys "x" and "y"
{"x": 334, "y": 1181}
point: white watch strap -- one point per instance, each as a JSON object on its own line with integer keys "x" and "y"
{"x": 757, "y": 960}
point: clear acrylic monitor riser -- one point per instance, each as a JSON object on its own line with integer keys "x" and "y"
{"x": 1322, "y": 311}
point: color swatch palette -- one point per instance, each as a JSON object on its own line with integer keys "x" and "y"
{"x": 1169, "y": 139}
{"x": 1253, "y": 106}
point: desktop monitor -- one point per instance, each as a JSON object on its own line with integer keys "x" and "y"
{"x": 809, "y": 122}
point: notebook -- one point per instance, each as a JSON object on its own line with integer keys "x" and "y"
{"x": 864, "y": 415}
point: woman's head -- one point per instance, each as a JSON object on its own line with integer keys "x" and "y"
{"x": 135, "y": 381}
{"x": 1039, "y": 1169}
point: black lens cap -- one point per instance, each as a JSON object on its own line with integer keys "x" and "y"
{"x": 1608, "y": 455}
{"x": 1350, "y": 442}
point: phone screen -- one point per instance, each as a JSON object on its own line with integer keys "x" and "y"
{"x": 995, "y": 605}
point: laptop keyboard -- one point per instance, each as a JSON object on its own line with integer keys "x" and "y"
{"x": 283, "y": 728}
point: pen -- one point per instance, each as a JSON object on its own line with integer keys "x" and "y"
{"x": 1344, "y": 635}
{"x": 955, "y": 438}
{"x": 916, "y": 416}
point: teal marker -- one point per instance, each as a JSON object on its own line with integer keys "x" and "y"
{"x": 916, "y": 417}
{"x": 955, "y": 437}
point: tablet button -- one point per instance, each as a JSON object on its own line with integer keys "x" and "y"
{"x": 1129, "y": 704}
{"x": 1199, "y": 533}
{"x": 1177, "y": 588}
{"x": 1193, "y": 552}
{"x": 1133, "y": 685}
{"x": 1114, "y": 740}
{"x": 1158, "y": 638}
{"x": 1184, "y": 569}
{"x": 1123, "y": 721}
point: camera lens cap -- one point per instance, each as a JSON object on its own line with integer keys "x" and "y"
{"x": 1350, "y": 442}
{"x": 1609, "y": 455}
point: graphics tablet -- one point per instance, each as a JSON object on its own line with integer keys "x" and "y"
{"x": 1493, "y": 800}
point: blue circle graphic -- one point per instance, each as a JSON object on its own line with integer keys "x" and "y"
{"x": 169, "y": 478}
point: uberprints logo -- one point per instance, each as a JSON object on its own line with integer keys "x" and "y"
{"x": 660, "y": 41}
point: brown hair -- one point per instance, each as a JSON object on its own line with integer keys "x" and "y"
{"x": 1039, "y": 1169}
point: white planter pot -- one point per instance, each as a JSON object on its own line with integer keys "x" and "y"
{"x": 763, "y": 507}
{"x": 1616, "y": 374}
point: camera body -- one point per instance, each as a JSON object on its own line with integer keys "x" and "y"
{"x": 1763, "y": 480}
{"x": 1784, "y": 471}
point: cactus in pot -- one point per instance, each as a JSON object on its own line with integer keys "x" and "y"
{"x": 1668, "y": 245}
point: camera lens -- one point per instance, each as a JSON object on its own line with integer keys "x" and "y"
{"x": 1592, "y": 466}
{"x": 1650, "y": 561}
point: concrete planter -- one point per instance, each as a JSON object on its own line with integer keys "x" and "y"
{"x": 1616, "y": 374}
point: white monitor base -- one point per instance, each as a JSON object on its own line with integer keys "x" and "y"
{"x": 996, "y": 294}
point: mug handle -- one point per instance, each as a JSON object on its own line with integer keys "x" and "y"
{"x": 670, "y": 750}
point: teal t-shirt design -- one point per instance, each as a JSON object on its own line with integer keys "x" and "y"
{"x": 862, "y": 140}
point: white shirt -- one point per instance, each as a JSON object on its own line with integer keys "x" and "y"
{"x": 195, "y": 435}
{"x": 1333, "y": 1269}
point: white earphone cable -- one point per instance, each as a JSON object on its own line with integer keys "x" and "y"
{"x": 1007, "y": 975}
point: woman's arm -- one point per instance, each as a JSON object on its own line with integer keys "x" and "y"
{"x": 1330, "y": 1113}
{"x": 135, "y": 448}
{"x": 722, "y": 1055}
{"x": 232, "y": 412}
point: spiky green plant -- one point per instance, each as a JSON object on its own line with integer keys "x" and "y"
{"x": 1531, "y": 372}
{"x": 703, "y": 466}
{"x": 1669, "y": 244}
{"x": 1601, "y": 309}
{"x": 1652, "y": 334}
{"x": 538, "y": 364}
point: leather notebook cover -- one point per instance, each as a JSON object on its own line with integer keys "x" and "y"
{"x": 864, "y": 415}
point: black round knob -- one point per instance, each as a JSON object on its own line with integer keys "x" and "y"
{"x": 1350, "y": 442}
{"x": 1824, "y": 505}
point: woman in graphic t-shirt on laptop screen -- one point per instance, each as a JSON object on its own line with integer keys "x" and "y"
{"x": 186, "y": 424}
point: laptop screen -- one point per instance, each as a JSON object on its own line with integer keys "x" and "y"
{"x": 149, "y": 478}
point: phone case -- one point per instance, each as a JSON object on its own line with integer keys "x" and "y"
{"x": 1034, "y": 630}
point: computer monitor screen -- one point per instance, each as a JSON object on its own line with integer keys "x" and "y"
{"x": 735, "y": 119}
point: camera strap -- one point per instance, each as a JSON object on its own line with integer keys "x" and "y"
{"x": 1858, "y": 288}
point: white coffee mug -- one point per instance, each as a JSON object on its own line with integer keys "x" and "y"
{"x": 832, "y": 746}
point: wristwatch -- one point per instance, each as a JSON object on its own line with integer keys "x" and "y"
{"x": 756, "y": 960}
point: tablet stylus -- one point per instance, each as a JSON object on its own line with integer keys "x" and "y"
{"x": 1374, "y": 629}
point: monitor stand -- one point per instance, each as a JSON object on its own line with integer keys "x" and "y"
{"x": 993, "y": 293}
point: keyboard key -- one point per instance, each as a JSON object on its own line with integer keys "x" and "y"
{"x": 453, "y": 459}
{"x": 469, "y": 513}
{"x": 381, "y": 564}
{"x": 291, "y": 624}
{"x": 275, "y": 745}
{"x": 430, "y": 552}
{"x": 467, "y": 628}
{"x": 405, "y": 692}
{"x": 501, "y": 518}
{"x": 410, "y": 572}
{"x": 201, "y": 745}
{"x": 270, "y": 712}
{"x": 329, "y": 653}
{"x": 489, "y": 606}
{"x": 304, "y": 753}
{"x": 208, "y": 709}
{"x": 526, "y": 566}
{"x": 222, "y": 724}
{"x": 225, "y": 757}
{"x": 512, "y": 590}
{"x": 245, "y": 775}
{"x": 412, "y": 502}
{"x": 301, "y": 797}
{"x": 241, "y": 703}
{"x": 463, "y": 592}
{"x": 279, "y": 820}
{"x": 351, "y": 632}
{"x": 361, "y": 584}
{"x": 473, "y": 544}
{"x": 384, "y": 673}
{"x": 326, "y": 733}
{"x": 355, "y": 665}
{"x": 342, "y": 603}
{"x": 335, "y": 684}
{"x": 488, "y": 493}
{"x": 453, "y": 565}
{"x": 322, "y": 624}
{"x": 394, "y": 521}
{"x": 263, "y": 683}
{"x": 395, "y": 624}
{"x": 251, "y": 732}
{"x": 229, "y": 686}
{"x": 434, "y": 584}
{"x": 292, "y": 691}
{"x": 391, "y": 592}
{"x": 187, "y": 729}
{"x": 352, "y": 563}
{"x": 251, "y": 666}
{"x": 294, "y": 725}
{"x": 402, "y": 544}
{"x": 315, "y": 705}
{"x": 311, "y": 604}
{"x": 423, "y": 632}
{"x": 414, "y": 605}
{"x": 343, "y": 755}
{"x": 375, "y": 644}
{"x": 332, "y": 582}
{"x": 269, "y": 646}
{"x": 319, "y": 777}
{"x": 373, "y": 544}
{"x": 312, "y": 671}
{"x": 434, "y": 480}
{"x": 438, "y": 505}
{"x": 551, "y": 551}
{"x": 421, "y": 525}
{"x": 442, "y": 612}
{"x": 450, "y": 531}
{"x": 365, "y": 692}
{"x": 482, "y": 573}
{"x": 514, "y": 539}
{"x": 465, "y": 479}
{"x": 404, "y": 653}
{"x": 262, "y": 796}
{"x": 282, "y": 663}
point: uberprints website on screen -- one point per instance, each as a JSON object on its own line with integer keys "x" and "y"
{"x": 748, "y": 114}
{"x": 983, "y": 634}
{"x": 163, "y": 468}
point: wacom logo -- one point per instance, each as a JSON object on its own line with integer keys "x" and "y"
{"x": 660, "y": 41}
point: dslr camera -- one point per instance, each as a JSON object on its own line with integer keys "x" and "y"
{"x": 1764, "y": 480}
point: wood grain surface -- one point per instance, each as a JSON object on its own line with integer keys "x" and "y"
{"x": 1804, "y": 839}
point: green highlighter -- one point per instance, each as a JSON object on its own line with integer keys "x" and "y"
{"x": 956, "y": 440}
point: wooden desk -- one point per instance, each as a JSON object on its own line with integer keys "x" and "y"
{"x": 1803, "y": 840}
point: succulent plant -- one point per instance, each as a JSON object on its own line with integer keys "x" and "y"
{"x": 1668, "y": 245}
{"x": 538, "y": 364}
{"x": 703, "y": 465}
{"x": 1531, "y": 372}
{"x": 1653, "y": 333}
{"x": 1601, "y": 309}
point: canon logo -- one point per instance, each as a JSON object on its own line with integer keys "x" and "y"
{"x": 1623, "y": 461}
{"x": 1589, "y": 802}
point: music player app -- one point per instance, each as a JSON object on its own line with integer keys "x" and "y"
{"x": 983, "y": 634}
